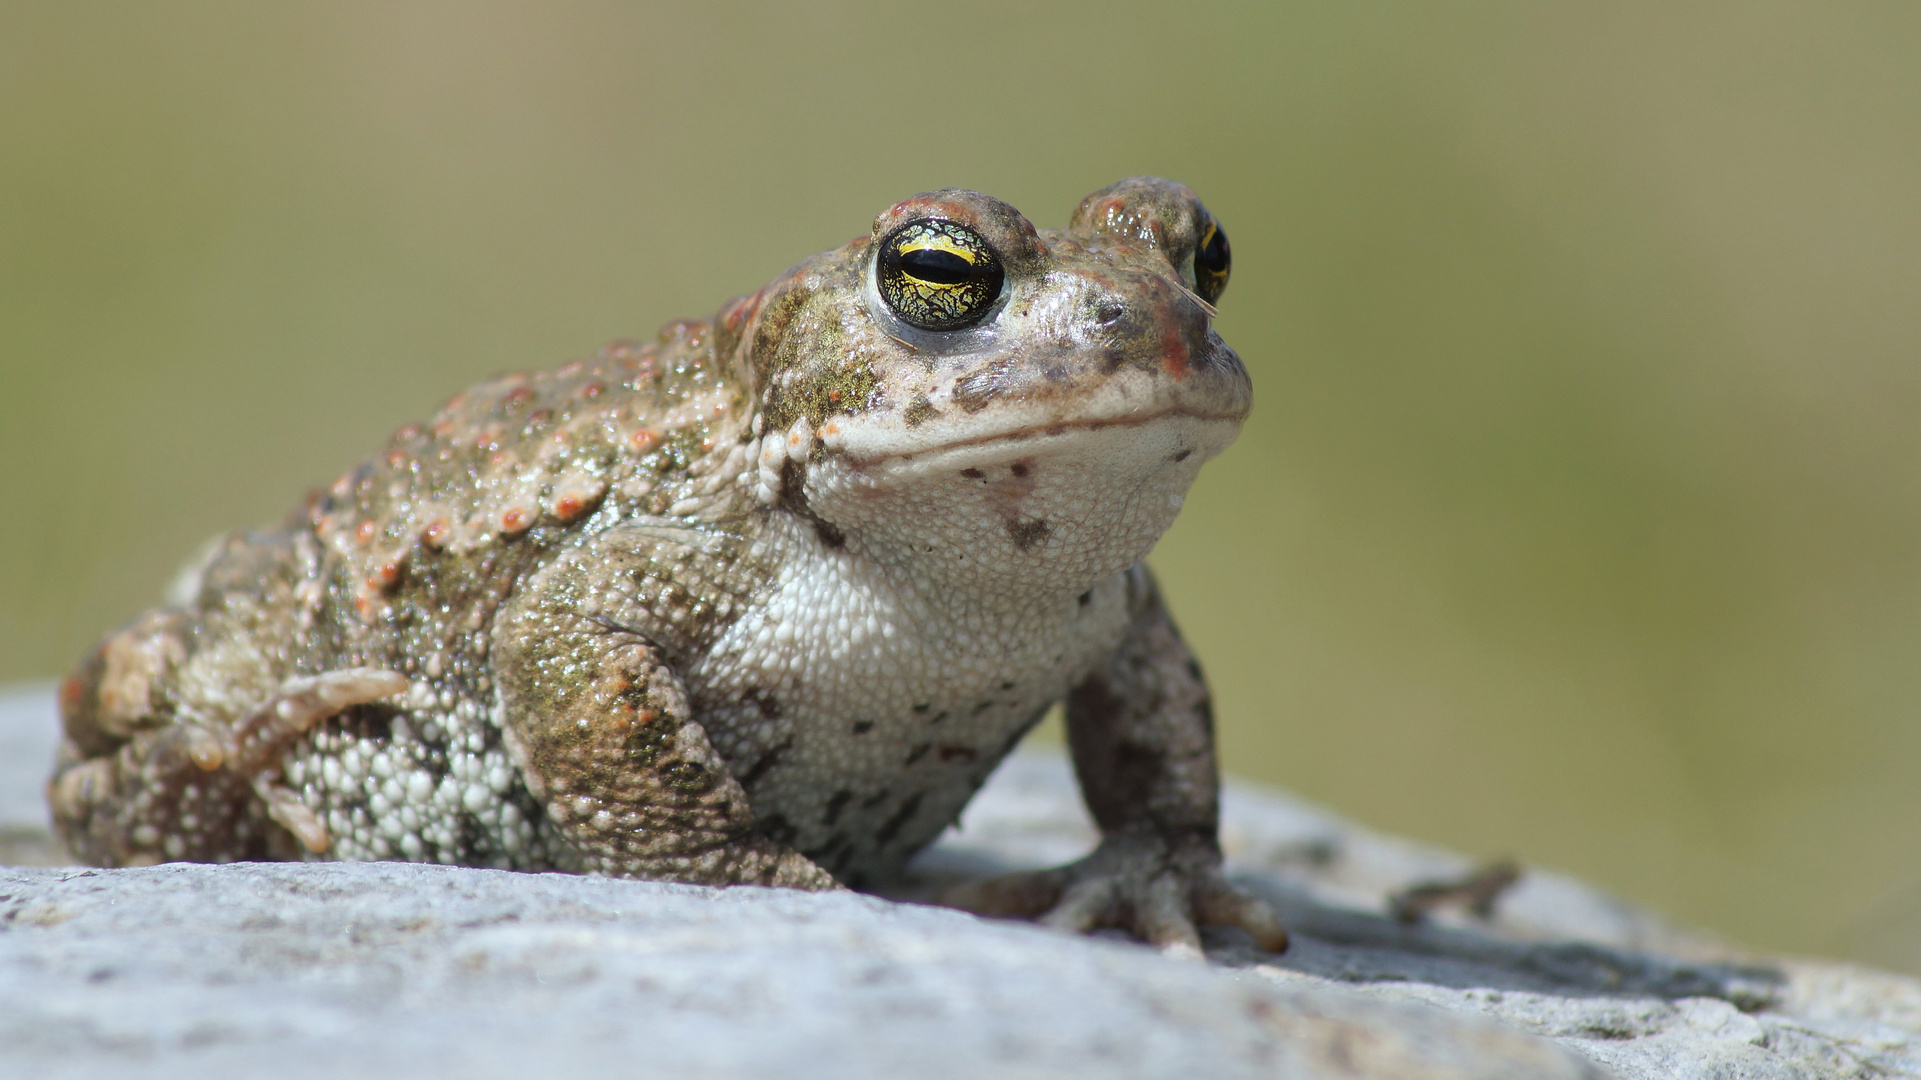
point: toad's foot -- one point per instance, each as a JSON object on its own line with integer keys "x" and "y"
{"x": 1477, "y": 892}
{"x": 190, "y": 790}
{"x": 1135, "y": 883}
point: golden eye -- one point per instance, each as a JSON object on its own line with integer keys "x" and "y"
{"x": 1212, "y": 260}
{"x": 938, "y": 275}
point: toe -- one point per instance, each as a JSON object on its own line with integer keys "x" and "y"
{"x": 299, "y": 704}
{"x": 285, "y": 807}
{"x": 1162, "y": 918}
{"x": 1087, "y": 905}
{"x": 1224, "y": 905}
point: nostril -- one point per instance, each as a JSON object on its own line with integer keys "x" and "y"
{"x": 1108, "y": 314}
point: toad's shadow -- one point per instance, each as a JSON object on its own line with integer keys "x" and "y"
{"x": 1360, "y": 947}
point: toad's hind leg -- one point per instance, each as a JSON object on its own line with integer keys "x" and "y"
{"x": 136, "y": 782}
{"x": 602, "y": 731}
{"x": 600, "y": 724}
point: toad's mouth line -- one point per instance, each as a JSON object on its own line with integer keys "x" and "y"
{"x": 1037, "y": 431}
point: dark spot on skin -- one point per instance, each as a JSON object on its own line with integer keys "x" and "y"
{"x": 919, "y": 411}
{"x": 647, "y": 743}
{"x": 1019, "y": 468}
{"x": 1007, "y": 686}
{"x": 938, "y": 717}
{"x": 862, "y": 727}
{"x": 1182, "y": 456}
{"x": 923, "y": 707}
{"x": 972, "y": 474}
{"x": 1087, "y": 598}
{"x": 1026, "y": 534}
{"x": 891, "y": 827}
{"x": 768, "y": 705}
{"x": 830, "y": 536}
{"x": 777, "y": 828}
{"x": 835, "y": 805}
{"x": 918, "y": 752}
{"x": 690, "y": 778}
{"x": 983, "y": 707}
{"x": 1194, "y": 667}
{"x": 875, "y": 800}
{"x": 765, "y": 762}
{"x": 958, "y": 753}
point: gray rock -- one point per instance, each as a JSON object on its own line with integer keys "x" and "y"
{"x": 28, "y": 734}
{"x": 334, "y": 969}
{"x": 325, "y": 968}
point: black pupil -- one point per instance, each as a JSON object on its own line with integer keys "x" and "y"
{"x": 937, "y": 267}
{"x": 1213, "y": 255}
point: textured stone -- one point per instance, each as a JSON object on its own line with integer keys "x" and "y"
{"x": 324, "y": 969}
{"x": 321, "y": 969}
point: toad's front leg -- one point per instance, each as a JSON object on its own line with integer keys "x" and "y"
{"x": 600, "y": 724}
{"x": 1142, "y": 732}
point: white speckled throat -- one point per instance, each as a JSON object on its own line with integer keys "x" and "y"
{"x": 1044, "y": 511}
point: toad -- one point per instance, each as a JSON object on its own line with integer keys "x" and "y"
{"x": 764, "y": 600}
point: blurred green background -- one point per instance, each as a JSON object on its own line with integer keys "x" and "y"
{"x": 1580, "y": 514}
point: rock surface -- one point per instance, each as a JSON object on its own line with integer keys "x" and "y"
{"x": 402, "y": 970}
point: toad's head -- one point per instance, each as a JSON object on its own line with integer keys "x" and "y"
{"x": 961, "y": 390}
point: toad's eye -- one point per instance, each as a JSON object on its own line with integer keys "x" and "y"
{"x": 1212, "y": 260}
{"x": 938, "y": 275}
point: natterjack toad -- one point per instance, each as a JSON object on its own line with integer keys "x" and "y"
{"x": 763, "y": 601}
